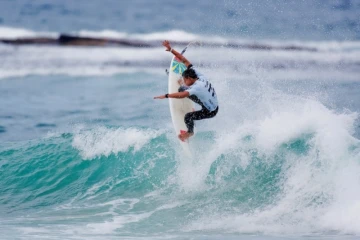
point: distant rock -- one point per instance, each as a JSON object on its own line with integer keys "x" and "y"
{"x": 70, "y": 40}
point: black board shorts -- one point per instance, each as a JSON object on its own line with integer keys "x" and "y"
{"x": 198, "y": 115}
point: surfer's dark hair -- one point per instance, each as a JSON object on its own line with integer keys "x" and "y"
{"x": 189, "y": 73}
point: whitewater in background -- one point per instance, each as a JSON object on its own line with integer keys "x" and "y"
{"x": 86, "y": 153}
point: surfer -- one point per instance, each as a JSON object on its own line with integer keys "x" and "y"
{"x": 196, "y": 87}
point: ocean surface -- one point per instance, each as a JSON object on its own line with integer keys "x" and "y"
{"x": 87, "y": 153}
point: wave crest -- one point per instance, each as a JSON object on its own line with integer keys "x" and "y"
{"x": 103, "y": 141}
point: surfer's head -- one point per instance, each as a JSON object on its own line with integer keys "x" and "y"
{"x": 189, "y": 76}
{"x": 189, "y": 73}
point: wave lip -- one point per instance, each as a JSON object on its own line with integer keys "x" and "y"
{"x": 103, "y": 141}
{"x": 14, "y": 33}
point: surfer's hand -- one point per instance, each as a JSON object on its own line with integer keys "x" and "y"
{"x": 160, "y": 97}
{"x": 166, "y": 44}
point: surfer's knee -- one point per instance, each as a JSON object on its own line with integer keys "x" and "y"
{"x": 189, "y": 121}
{"x": 187, "y": 117}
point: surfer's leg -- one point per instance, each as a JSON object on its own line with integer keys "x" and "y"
{"x": 198, "y": 115}
{"x": 191, "y": 116}
{"x": 189, "y": 120}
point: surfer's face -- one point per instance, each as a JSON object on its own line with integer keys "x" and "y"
{"x": 189, "y": 81}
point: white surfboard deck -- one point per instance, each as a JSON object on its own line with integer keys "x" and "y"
{"x": 178, "y": 107}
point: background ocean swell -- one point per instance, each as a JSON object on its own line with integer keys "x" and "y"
{"x": 274, "y": 19}
{"x": 334, "y": 59}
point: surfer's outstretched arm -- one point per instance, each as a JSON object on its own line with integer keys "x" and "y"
{"x": 166, "y": 44}
{"x": 174, "y": 95}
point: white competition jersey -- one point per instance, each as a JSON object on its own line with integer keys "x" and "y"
{"x": 204, "y": 91}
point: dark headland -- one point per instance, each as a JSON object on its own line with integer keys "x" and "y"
{"x": 71, "y": 40}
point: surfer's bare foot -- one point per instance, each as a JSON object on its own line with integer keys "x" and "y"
{"x": 184, "y": 136}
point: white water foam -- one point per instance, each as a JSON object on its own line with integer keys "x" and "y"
{"x": 13, "y": 33}
{"x": 339, "y": 60}
{"x": 102, "y": 141}
{"x": 97, "y": 61}
{"x": 319, "y": 188}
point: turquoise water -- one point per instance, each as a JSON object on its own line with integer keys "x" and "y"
{"x": 281, "y": 160}
{"x": 87, "y": 153}
{"x": 115, "y": 182}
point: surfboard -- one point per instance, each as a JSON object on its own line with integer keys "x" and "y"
{"x": 178, "y": 107}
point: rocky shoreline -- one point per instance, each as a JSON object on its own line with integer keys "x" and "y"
{"x": 70, "y": 40}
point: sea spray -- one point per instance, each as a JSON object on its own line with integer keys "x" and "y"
{"x": 306, "y": 154}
